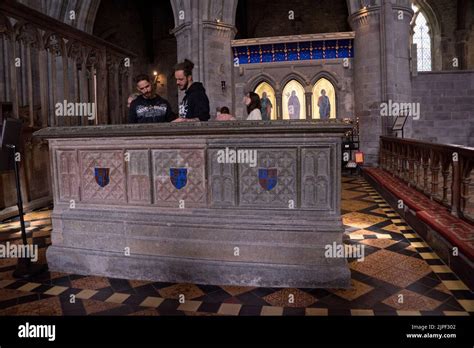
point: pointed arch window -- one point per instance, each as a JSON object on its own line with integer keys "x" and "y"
{"x": 422, "y": 39}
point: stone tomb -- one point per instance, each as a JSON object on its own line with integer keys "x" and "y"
{"x": 153, "y": 202}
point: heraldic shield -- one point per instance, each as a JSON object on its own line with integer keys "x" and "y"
{"x": 179, "y": 177}
{"x": 268, "y": 178}
{"x": 102, "y": 176}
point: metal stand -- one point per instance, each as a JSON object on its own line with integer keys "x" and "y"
{"x": 25, "y": 268}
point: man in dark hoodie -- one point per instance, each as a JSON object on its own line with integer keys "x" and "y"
{"x": 149, "y": 107}
{"x": 195, "y": 104}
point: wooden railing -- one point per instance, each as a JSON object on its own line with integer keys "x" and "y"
{"x": 442, "y": 172}
{"x": 45, "y": 61}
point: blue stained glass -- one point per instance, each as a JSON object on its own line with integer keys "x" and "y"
{"x": 330, "y": 53}
{"x": 304, "y": 55}
{"x": 254, "y": 59}
{"x": 267, "y": 57}
{"x": 294, "y": 51}
{"x": 280, "y": 57}
{"x": 318, "y": 54}
{"x": 254, "y": 50}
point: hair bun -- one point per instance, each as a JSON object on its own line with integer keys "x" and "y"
{"x": 189, "y": 64}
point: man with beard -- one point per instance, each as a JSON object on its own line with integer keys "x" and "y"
{"x": 195, "y": 104}
{"x": 149, "y": 107}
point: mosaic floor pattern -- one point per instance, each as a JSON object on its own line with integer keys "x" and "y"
{"x": 400, "y": 275}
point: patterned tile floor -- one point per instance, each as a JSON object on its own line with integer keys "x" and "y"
{"x": 401, "y": 275}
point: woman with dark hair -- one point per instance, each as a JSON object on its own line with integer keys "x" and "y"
{"x": 252, "y": 100}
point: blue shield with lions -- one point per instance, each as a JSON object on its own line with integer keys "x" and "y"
{"x": 179, "y": 177}
{"x": 102, "y": 176}
{"x": 268, "y": 178}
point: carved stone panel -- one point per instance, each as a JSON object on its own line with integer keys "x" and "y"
{"x": 190, "y": 188}
{"x": 103, "y": 176}
{"x": 279, "y": 164}
{"x": 139, "y": 179}
{"x": 68, "y": 175}
{"x": 221, "y": 180}
{"x": 316, "y": 178}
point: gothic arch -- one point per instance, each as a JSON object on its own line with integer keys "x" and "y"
{"x": 293, "y": 100}
{"x": 252, "y": 84}
{"x": 331, "y": 77}
{"x": 434, "y": 31}
{"x": 294, "y": 76}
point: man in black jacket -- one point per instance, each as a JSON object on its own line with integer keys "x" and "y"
{"x": 149, "y": 107}
{"x": 195, "y": 104}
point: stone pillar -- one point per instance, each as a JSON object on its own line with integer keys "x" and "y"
{"x": 462, "y": 48}
{"x": 381, "y": 67}
{"x": 204, "y": 30}
{"x": 279, "y": 105}
{"x": 309, "y": 105}
{"x": 218, "y": 64}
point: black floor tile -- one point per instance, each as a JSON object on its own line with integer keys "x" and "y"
{"x": 135, "y": 300}
{"x": 209, "y": 307}
{"x": 146, "y": 290}
{"x": 120, "y": 285}
{"x": 463, "y": 294}
{"x": 290, "y": 311}
{"x": 168, "y": 305}
{"x": 103, "y": 294}
{"x": 8, "y": 303}
{"x": 216, "y": 297}
{"x": 251, "y": 299}
{"x": 262, "y": 292}
{"x": 438, "y": 295}
{"x": 208, "y": 288}
{"x": 339, "y": 312}
{"x": 247, "y": 310}
{"x": 447, "y": 276}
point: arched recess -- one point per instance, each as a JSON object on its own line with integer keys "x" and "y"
{"x": 294, "y": 101}
{"x": 330, "y": 92}
{"x": 422, "y": 8}
{"x": 254, "y": 82}
{"x": 265, "y": 87}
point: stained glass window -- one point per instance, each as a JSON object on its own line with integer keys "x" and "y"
{"x": 422, "y": 39}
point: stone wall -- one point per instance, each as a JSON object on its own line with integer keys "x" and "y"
{"x": 262, "y": 18}
{"x": 447, "y": 107}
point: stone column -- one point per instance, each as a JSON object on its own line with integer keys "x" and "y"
{"x": 309, "y": 105}
{"x": 279, "y": 105}
{"x": 218, "y": 64}
{"x": 204, "y": 30}
{"x": 381, "y": 67}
